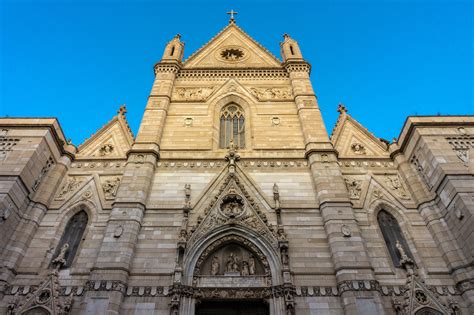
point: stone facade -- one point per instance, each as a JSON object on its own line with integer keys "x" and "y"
{"x": 176, "y": 220}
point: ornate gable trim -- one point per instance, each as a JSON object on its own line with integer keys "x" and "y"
{"x": 343, "y": 121}
{"x": 102, "y": 149}
{"x": 220, "y": 34}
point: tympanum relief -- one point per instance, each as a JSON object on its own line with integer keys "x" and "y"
{"x": 232, "y": 260}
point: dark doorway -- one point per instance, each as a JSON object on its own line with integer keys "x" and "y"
{"x": 232, "y": 307}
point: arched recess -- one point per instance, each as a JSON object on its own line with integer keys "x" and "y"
{"x": 65, "y": 218}
{"x": 403, "y": 223}
{"x": 232, "y": 234}
{"x": 215, "y": 111}
{"x": 37, "y": 310}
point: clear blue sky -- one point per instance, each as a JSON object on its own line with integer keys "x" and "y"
{"x": 385, "y": 60}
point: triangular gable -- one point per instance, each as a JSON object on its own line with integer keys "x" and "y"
{"x": 232, "y": 48}
{"x": 111, "y": 141}
{"x": 213, "y": 214}
{"x": 351, "y": 139}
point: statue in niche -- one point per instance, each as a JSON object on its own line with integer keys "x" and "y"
{"x": 215, "y": 266}
{"x": 404, "y": 257}
{"x": 61, "y": 259}
{"x": 245, "y": 269}
{"x": 251, "y": 265}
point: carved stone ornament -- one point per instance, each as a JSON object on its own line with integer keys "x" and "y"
{"x": 461, "y": 145}
{"x": 395, "y": 184}
{"x": 275, "y": 121}
{"x": 7, "y": 145}
{"x": 118, "y": 231}
{"x": 416, "y": 298}
{"x": 232, "y": 205}
{"x": 49, "y": 164}
{"x": 72, "y": 183}
{"x": 346, "y": 231}
{"x": 354, "y": 187}
{"x": 5, "y": 212}
{"x": 232, "y": 54}
{"x": 110, "y": 187}
{"x": 106, "y": 149}
{"x": 459, "y": 213}
{"x": 358, "y": 148}
{"x": 244, "y": 257}
{"x": 44, "y": 300}
{"x": 188, "y": 122}
{"x": 271, "y": 93}
{"x": 192, "y": 94}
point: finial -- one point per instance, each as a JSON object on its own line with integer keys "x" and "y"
{"x": 177, "y": 36}
{"x": 232, "y": 13}
{"x": 122, "y": 110}
{"x": 341, "y": 108}
{"x": 286, "y": 36}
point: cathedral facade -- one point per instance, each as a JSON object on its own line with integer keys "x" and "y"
{"x": 234, "y": 199}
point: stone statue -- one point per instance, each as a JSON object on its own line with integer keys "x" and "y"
{"x": 401, "y": 250}
{"x": 251, "y": 264}
{"x": 245, "y": 268}
{"x": 232, "y": 264}
{"x": 215, "y": 266}
{"x": 61, "y": 259}
{"x": 229, "y": 263}
{"x": 187, "y": 191}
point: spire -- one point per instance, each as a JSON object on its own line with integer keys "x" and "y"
{"x": 232, "y": 19}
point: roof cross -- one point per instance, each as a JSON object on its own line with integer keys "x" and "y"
{"x": 232, "y": 13}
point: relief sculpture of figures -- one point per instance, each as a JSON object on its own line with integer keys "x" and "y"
{"x": 245, "y": 269}
{"x": 251, "y": 265}
{"x": 393, "y": 181}
{"x": 215, "y": 266}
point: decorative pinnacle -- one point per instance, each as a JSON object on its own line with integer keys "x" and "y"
{"x": 232, "y": 13}
{"x": 122, "y": 110}
{"x": 286, "y": 36}
{"x": 177, "y": 36}
{"x": 341, "y": 108}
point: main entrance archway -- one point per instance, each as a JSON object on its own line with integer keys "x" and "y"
{"x": 232, "y": 307}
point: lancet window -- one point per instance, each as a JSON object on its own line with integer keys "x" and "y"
{"x": 392, "y": 235}
{"x": 232, "y": 126}
{"x": 72, "y": 236}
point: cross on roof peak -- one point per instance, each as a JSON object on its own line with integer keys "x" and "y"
{"x": 232, "y": 13}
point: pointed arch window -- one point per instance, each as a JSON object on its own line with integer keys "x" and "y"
{"x": 72, "y": 235}
{"x": 392, "y": 233}
{"x": 232, "y": 126}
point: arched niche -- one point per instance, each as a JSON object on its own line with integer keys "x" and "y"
{"x": 223, "y": 241}
{"x": 37, "y": 310}
{"x": 232, "y": 259}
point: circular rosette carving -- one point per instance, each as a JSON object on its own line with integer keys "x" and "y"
{"x": 232, "y": 206}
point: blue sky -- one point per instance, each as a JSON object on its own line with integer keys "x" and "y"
{"x": 385, "y": 60}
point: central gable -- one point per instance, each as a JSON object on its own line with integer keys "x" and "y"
{"x": 232, "y": 48}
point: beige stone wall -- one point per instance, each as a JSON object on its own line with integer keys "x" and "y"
{"x": 330, "y": 191}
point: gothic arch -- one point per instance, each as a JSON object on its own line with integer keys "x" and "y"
{"x": 238, "y": 234}
{"x": 65, "y": 217}
{"x": 215, "y": 112}
{"x": 35, "y": 310}
{"x": 402, "y": 221}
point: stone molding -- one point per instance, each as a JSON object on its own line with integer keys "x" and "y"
{"x": 224, "y": 74}
{"x": 272, "y": 291}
